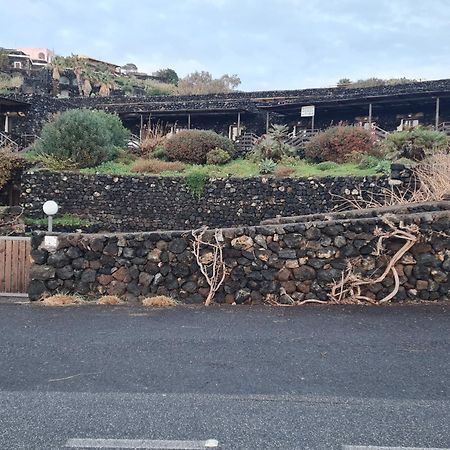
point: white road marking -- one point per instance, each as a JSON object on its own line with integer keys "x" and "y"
{"x": 141, "y": 443}
{"x": 364, "y": 447}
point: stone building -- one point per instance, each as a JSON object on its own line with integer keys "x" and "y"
{"x": 381, "y": 108}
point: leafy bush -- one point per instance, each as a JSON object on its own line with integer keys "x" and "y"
{"x": 217, "y": 156}
{"x": 196, "y": 181}
{"x": 123, "y": 156}
{"x": 267, "y": 166}
{"x": 153, "y": 87}
{"x": 374, "y": 162}
{"x": 192, "y": 146}
{"x": 327, "y": 165}
{"x": 156, "y": 166}
{"x": 159, "y": 153}
{"x": 272, "y": 145}
{"x": 86, "y": 137}
{"x": 415, "y": 144}
{"x": 9, "y": 163}
{"x": 338, "y": 144}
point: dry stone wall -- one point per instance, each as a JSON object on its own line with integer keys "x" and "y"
{"x": 138, "y": 203}
{"x": 302, "y": 258}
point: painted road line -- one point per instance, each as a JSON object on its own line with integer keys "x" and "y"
{"x": 141, "y": 443}
{"x": 369, "y": 447}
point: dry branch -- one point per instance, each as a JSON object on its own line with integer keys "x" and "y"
{"x": 348, "y": 289}
{"x": 212, "y": 267}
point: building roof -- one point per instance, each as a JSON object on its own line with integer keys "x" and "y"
{"x": 284, "y": 102}
{"x": 9, "y": 104}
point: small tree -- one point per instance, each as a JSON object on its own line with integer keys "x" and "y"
{"x": 167, "y": 76}
{"x": 84, "y": 136}
{"x": 204, "y": 83}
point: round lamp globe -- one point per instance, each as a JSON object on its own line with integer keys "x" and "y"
{"x": 50, "y": 208}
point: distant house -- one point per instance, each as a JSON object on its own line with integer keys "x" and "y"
{"x": 41, "y": 56}
{"x": 19, "y": 60}
{"x": 95, "y": 63}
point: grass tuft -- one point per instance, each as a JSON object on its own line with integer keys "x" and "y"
{"x": 143, "y": 165}
{"x": 109, "y": 300}
{"x": 160, "y": 301}
{"x": 61, "y": 300}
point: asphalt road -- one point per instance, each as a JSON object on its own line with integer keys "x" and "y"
{"x": 251, "y": 378}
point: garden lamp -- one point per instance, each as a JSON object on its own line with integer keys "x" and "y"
{"x": 50, "y": 208}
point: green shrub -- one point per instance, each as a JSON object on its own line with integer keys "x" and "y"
{"x": 338, "y": 144}
{"x": 327, "y": 165}
{"x": 192, "y": 146}
{"x": 415, "y": 144}
{"x": 217, "y": 156}
{"x": 123, "y": 156}
{"x": 86, "y": 137}
{"x": 267, "y": 166}
{"x": 159, "y": 153}
{"x": 381, "y": 165}
{"x": 196, "y": 181}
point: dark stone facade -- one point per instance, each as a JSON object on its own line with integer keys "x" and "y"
{"x": 137, "y": 203}
{"x": 219, "y": 111}
{"x": 301, "y": 259}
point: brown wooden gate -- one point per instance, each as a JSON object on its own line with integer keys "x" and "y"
{"x": 14, "y": 264}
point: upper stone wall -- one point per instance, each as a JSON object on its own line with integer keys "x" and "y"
{"x": 136, "y": 203}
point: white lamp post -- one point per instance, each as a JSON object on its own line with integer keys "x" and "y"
{"x": 50, "y": 208}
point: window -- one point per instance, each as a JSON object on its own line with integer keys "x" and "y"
{"x": 41, "y": 56}
{"x": 17, "y": 65}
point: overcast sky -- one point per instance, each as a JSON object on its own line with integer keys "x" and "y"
{"x": 270, "y": 44}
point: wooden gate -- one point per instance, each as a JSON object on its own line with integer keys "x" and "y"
{"x": 14, "y": 265}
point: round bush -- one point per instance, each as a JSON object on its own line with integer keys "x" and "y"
{"x": 339, "y": 144}
{"x": 327, "y": 165}
{"x": 217, "y": 156}
{"x": 84, "y": 136}
{"x": 192, "y": 146}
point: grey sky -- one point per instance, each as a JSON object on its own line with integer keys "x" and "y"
{"x": 270, "y": 44}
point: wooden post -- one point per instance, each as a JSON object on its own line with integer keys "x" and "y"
{"x": 239, "y": 124}
{"x": 436, "y": 123}
{"x": 267, "y": 122}
{"x": 312, "y": 124}
{"x": 370, "y": 116}
{"x": 141, "y": 128}
{"x": 189, "y": 121}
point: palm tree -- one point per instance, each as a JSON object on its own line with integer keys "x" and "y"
{"x": 58, "y": 64}
{"x": 78, "y": 65}
{"x": 106, "y": 82}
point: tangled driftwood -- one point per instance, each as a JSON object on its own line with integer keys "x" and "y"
{"x": 348, "y": 289}
{"x": 209, "y": 256}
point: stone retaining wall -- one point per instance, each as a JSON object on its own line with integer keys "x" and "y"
{"x": 137, "y": 203}
{"x": 301, "y": 258}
